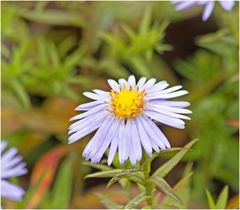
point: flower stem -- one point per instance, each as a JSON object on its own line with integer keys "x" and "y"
{"x": 146, "y": 168}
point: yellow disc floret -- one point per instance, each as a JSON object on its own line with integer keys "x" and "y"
{"x": 127, "y": 103}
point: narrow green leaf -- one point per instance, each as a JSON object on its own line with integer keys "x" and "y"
{"x": 54, "y": 17}
{"x": 222, "y": 199}
{"x": 79, "y": 79}
{"x": 132, "y": 204}
{"x": 61, "y": 193}
{"x": 131, "y": 34}
{"x": 211, "y": 203}
{"x": 181, "y": 188}
{"x": 109, "y": 173}
{"x": 97, "y": 166}
{"x": 146, "y": 21}
{"x": 165, "y": 187}
{"x": 170, "y": 164}
{"x": 107, "y": 202}
{"x": 21, "y": 93}
{"x": 133, "y": 174}
{"x": 139, "y": 66}
{"x": 54, "y": 55}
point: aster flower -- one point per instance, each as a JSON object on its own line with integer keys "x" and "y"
{"x": 11, "y": 166}
{"x": 209, "y": 5}
{"x": 125, "y": 119}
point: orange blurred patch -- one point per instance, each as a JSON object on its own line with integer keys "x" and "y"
{"x": 43, "y": 174}
{"x": 234, "y": 123}
{"x": 234, "y": 202}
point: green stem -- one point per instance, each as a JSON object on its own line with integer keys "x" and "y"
{"x": 146, "y": 168}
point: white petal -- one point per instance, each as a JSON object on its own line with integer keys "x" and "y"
{"x": 95, "y": 96}
{"x": 97, "y": 138}
{"x": 179, "y": 104}
{"x": 11, "y": 191}
{"x": 86, "y": 128}
{"x": 167, "y": 95}
{"x": 208, "y": 10}
{"x": 141, "y": 82}
{"x": 167, "y": 112}
{"x": 123, "y": 82}
{"x": 148, "y": 84}
{"x": 101, "y": 92}
{"x": 158, "y": 87}
{"x": 185, "y": 4}
{"x": 126, "y": 140}
{"x": 88, "y": 120}
{"x": 110, "y": 135}
{"x": 154, "y": 146}
{"x": 89, "y": 105}
{"x": 176, "y": 123}
{"x": 8, "y": 155}
{"x": 113, "y": 149}
{"x": 132, "y": 157}
{"x": 114, "y": 85}
{"x": 136, "y": 140}
{"x": 3, "y": 145}
{"x": 13, "y": 162}
{"x": 132, "y": 81}
{"x": 90, "y": 112}
{"x": 172, "y": 89}
{"x": 121, "y": 135}
{"x": 144, "y": 137}
{"x": 172, "y": 109}
{"x": 158, "y": 132}
{"x": 227, "y": 5}
{"x": 16, "y": 171}
{"x": 151, "y": 132}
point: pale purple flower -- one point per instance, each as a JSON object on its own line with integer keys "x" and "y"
{"x": 209, "y": 5}
{"x": 11, "y": 166}
{"x": 125, "y": 119}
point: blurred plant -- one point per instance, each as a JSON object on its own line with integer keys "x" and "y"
{"x": 221, "y": 202}
{"x": 131, "y": 49}
{"x": 212, "y": 80}
{"x": 45, "y": 42}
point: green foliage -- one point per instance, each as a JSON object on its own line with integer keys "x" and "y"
{"x": 141, "y": 176}
{"x": 221, "y": 201}
{"x": 54, "y": 51}
{"x": 60, "y": 195}
{"x": 169, "y": 165}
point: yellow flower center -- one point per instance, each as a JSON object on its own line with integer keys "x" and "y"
{"x": 127, "y": 103}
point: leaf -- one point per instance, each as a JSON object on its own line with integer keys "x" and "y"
{"x": 54, "y": 17}
{"x": 170, "y": 164}
{"x": 146, "y": 21}
{"x": 139, "y": 66}
{"x": 107, "y": 202}
{"x": 123, "y": 174}
{"x": 222, "y": 199}
{"x": 165, "y": 187}
{"x": 29, "y": 194}
{"x": 132, "y": 204}
{"x": 181, "y": 188}
{"x": 129, "y": 31}
{"x": 45, "y": 170}
{"x": 97, "y": 166}
{"x": 211, "y": 203}
{"x": 21, "y": 93}
{"x": 109, "y": 173}
{"x": 61, "y": 194}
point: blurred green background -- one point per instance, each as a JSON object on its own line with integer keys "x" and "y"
{"x": 54, "y": 51}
